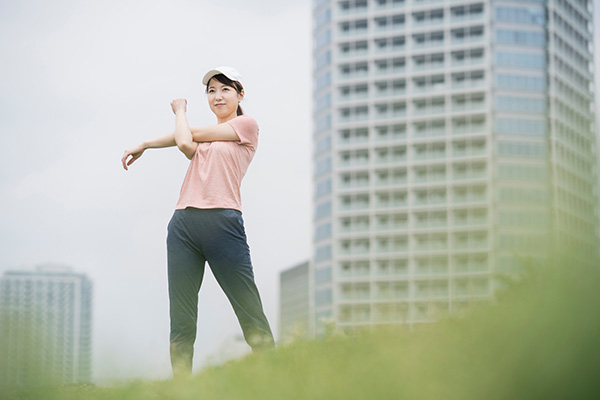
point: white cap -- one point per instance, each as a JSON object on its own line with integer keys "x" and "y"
{"x": 229, "y": 72}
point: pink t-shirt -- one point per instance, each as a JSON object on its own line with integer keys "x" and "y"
{"x": 216, "y": 170}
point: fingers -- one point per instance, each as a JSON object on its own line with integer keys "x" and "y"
{"x": 134, "y": 153}
{"x": 179, "y": 105}
{"x": 124, "y": 160}
{"x": 125, "y": 157}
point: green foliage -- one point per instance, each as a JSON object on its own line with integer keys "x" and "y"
{"x": 538, "y": 341}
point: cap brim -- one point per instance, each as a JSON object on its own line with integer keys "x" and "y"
{"x": 209, "y": 75}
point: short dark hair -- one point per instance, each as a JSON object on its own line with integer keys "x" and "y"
{"x": 234, "y": 84}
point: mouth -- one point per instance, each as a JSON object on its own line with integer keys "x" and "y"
{"x": 219, "y": 104}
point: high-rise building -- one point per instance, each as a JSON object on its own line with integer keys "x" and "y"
{"x": 451, "y": 139}
{"x": 45, "y": 327}
{"x": 294, "y": 294}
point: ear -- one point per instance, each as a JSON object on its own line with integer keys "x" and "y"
{"x": 241, "y": 95}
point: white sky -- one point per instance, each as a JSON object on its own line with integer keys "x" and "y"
{"x": 82, "y": 80}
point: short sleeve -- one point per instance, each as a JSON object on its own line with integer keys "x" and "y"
{"x": 246, "y": 129}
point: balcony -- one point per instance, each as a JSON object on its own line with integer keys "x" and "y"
{"x": 421, "y": 110}
{"x": 468, "y": 152}
{"x": 355, "y": 248}
{"x": 426, "y": 89}
{"x": 467, "y": 175}
{"x": 431, "y": 245}
{"x": 430, "y": 155}
{"x": 396, "y": 203}
{"x": 381, "y": 5}
{"x": 430, "y": 223}
{"x": 468, "y": 106}
{"x": 381, "y": 248}
{"x": 470, "y": 243}
{"x": 465, "y": 18}
{"x": 346, "y": 119}
{"x": 468, "y": 222}
{"x": 427, "y": 44}
{"x": 428, "y": 23}
{"x": 385, "y": 92}
{"x": 400, "y": 69}
{"x": 390, "y": 136}
{"x": 347, "y": 11}
{"x": 463, "y": 40}
{"x": 388, "y": 49}
{"x": 347, "y": 98}
{"x": 468, "y": 83}
{"x": 429, "y": 178}
{"x": 349, "y": 33}
{"x": 391, "y": 225}
{"x": 381, "y": 115}
{"x": 391, "y": 291}
{"x": 345, "y": 55}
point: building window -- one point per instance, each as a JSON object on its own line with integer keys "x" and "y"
{"x": 520, "y": 60}
{"x": 522, "y": 195}
{"x": 521, "y": 149}
{"x": 521, "y": 82}
{"x": 323, "y": 210}
{"x": 521, "y": 38}
{"x": 323, "y": 253}
{"x": 323, "y": 231}
{"x": 323, "y": 166}
{"x": 520, "y": 126}
{"x": 521, "y": 15}
{"x": 323, "y": 297}
{"x": 323, "y": 275}
{"x": 521, "y": 104}
{"x": 323, "y": 80}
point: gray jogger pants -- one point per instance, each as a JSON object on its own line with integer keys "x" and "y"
{"x": 217, "y": 236}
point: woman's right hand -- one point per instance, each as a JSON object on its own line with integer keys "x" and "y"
{"x": 133, "y": 152}
{"x": 179, "y": 105}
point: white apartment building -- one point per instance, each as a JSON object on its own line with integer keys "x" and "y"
{"x": 452, "y": 138}
{"x": 46, "y": 327}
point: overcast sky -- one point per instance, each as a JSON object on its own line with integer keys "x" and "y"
{"x": 82, "y": 80}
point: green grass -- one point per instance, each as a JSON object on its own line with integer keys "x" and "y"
{"x": 540, "y": 340}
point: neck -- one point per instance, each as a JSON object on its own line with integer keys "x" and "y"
{"x": 221, "y": 120}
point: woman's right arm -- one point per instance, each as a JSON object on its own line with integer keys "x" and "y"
{"x": 137, "y": 151}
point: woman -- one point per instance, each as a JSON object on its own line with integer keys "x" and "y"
{"x": 207, "y": 224}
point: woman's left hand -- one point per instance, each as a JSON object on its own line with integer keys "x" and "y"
{"x": 178, "y": 105}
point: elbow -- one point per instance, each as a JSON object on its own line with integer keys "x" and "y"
{"x": 197, "y": 135}
{"x": 188, "y": 150}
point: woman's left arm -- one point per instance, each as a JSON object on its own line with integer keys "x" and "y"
{"x": 213, "y": 133}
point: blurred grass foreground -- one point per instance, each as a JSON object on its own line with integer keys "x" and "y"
{"x": 539, "y": 340}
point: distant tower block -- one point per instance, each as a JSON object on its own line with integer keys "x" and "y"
{"x": 45, "y": 327}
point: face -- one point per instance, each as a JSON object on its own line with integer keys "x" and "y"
{"x": 223, "y": 100}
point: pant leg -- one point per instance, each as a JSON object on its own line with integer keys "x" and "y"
{"x": 228, "y": 255}
{"x": 185, "y": 272}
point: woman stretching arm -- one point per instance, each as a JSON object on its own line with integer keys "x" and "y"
{"x": 207, "y": 224}
{"x": 184, "y": 137}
